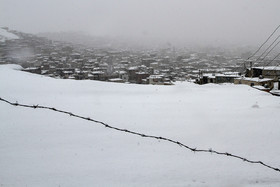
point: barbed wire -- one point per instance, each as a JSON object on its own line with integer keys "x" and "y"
{"x": 142, "y": 135}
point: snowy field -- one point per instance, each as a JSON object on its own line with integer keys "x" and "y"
{"x": 45, "y": 148}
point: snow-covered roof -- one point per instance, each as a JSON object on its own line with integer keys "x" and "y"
{"x": 74, "y": 54}
{"x": 231, "y": 73}
{"x": 115, "y": 80}
{"x": 209, "y": 75}
{"x": 268, "y": 68}
{"x": 255, "y": 79}
{"x": 154, "y": 63}
{"x": 31, "y": 68}
{"x": 66, "y": 72}
{"x": 97, "y": 72}
{"x": 133, "y": 68}
{"x": 122, "y": 72}
{"x": 259, "y": 87}
{"x": 227, "y": 75}
{"x": 155, "y": 76}
{"x": 213, "y": 75}
{"x": 141, "y": 73}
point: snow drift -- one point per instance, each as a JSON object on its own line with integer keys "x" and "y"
{"x": 5, "y": 35}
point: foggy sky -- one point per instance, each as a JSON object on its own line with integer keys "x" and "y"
{"x": 244, "y": 22}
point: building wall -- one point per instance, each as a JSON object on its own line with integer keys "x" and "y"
{"x": 254, "y": 83}
{"x": 273, "y": 74}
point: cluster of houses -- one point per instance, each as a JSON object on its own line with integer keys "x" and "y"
{"x": 262, "y": 78}
{"x": 265, "y": 76}
{"x": 163, "y": 66}
{"x": 70, "y": 61}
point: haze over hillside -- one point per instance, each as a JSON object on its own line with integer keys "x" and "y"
{"x": 135, "y": 43}
{"x": 178, "y": 22}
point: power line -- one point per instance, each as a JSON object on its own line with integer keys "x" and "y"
{"x": 268, "y": 48}
{"x": 273, "y": 58}
{"x": 270, "y": 51}
{"x": 261, "y": 46}
{"x": 142, "y": 135}
{"x": 264, "y": 42}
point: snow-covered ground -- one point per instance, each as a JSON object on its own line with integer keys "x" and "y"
{"x": 45, "y": 148}
{"x": 5, "y": 35}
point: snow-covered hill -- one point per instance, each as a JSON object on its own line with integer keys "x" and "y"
{"x": 44, "y": 148}
{"x": 5, "y": 35}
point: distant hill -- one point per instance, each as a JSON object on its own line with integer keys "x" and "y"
{"x": 5, "y": 34}
{"x": 82, "y": 39}
{"x": 113, "y": 42}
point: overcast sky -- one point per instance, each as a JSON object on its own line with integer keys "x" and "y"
{"x": 203, "y": 21}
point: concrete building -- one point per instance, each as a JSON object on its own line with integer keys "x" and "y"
{"x": 265, "y": 82}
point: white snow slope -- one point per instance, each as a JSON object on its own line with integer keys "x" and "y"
{"x": 5, "y": 35}
{"x": 45, "y": 148}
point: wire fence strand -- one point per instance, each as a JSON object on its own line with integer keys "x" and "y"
{"x": 141, "y": 134}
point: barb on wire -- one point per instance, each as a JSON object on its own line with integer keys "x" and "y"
{"x": 142, "y": 135}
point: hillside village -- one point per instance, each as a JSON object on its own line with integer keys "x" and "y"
{"x": 162, "y": 66}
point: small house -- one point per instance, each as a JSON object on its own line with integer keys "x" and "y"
{"x": 156, "y": 79}
{"x": 255, "y": 81}
{"x": 272, "y": 72}
{"x": 141, "y": 77}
